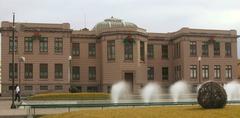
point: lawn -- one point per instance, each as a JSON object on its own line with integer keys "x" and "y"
{"x": 230, "y": 111}
{"x": 70, "y": 96}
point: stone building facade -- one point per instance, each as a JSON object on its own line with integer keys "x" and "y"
{"x": 112, "y": 51}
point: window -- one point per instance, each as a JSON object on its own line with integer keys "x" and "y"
{"x": 75, "y": 72}
{"x": 142, "y": 51}
{"x": 28, "y": 71}
{"x": 11, "y": 70}
{"x": 43, "y": 87}
{"x": 44, "y": 44}
{"x": 28, "y": 44}
{"x": 11, "y": 44}
{"x": 91, "y": 89}
{"x": 58, "y": 71}
{"x": 164, "y": 73}
{"x": 58, "y": 87}
{"x": 128, "y": 51}
{"x": 193, "y": 71}
{"x": 92, "y": 49}
{"x": 75, "y": 49}
{"x": 92, "y": 73}
{"x": 150, "y": 73}
{"x": 165, "y": 51}
{"x": 228, "y": 51}
{"x": 228, "y": 72}
{"x": 177, "y": 71}
{"x": 205, "y": 49}
{"x": 28, "y": 88}
{"x": 216, "y": 49}
{"x": 205, "y": 71}
{"x": 217, "y": 73}
{"x": 193, "y": 48}
{"x": 150, "y": 49}
{"x": 10, "y": 87}
{"x": 58, "y": 45}
{"x": 111, "y": 50}
{"x": 177, "y": 50}
{"x": 43, "y": 71}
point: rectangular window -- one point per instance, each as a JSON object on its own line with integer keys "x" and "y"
{"x": 164, "y": 73}
{"x": 193, "y": 48}
{"x": 28, "y": 88}
{"x": 205, "y": 71}
{"x": 28, "y": 71}
{"x": 11, "y": 70}
{"x": 43, "y": 71}
{"x": 28, "y": 44}
{"x": 228, "y": 72}
{"x": 216, "y": 47}
{"x": 75, "y": 49}
{"x": 75, "y": 72}
{"x": 150, "y": 73}
{"x": 43, "y": 87}
{"x": 150, "y": 49}
{"x": 142, "y": 51}
{"x": 11, "y": 44}
{"x": 92, "y": 49}
{"x": 193, "y": 71}
{"x": 217, "y": 71}
{"x": 164, "y": 51}
{"x": 177, "y": 70}
{"x": 205, "y": 49}
{"x": 128, "y": 51}
{"x": 111, "y": 50}
{"x": 177, "y": 50}
{"x": 58, "y": 87}
{"x": 58, "y": 71}
{"x": 228, "y": 50}
{"x": 58, "y": 45}
{"x": 92, "y": 73}
{"x": 43, "y": 44}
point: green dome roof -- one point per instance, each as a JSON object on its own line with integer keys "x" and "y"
{"x": 112, "y": 23}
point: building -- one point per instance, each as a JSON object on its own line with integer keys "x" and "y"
{"x": 114, "y": 50}
{"x": 238, "y": 64}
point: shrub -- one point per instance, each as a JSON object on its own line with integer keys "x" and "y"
{"x": 70, "y": 96}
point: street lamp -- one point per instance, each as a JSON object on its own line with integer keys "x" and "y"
{"x": 20, "y": 59}
{"x": 13, "y": 106}
{"x": 70, "y": 69}
{"x": 199, "y": 69}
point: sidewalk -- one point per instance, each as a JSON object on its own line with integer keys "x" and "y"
{"x": 7, "y": 112}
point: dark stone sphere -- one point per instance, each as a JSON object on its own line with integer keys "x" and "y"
{"x": 212, "y": 95}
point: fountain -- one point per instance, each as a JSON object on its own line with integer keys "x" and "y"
{"x": 120, "y": 90}
{"x": 233, "y": 90}
{"x": 150, "y": 92}
{"x": 178, "y": 90}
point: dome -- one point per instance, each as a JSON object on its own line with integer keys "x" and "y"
{"x": 112, "y": 23}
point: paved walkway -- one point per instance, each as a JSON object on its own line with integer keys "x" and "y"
{"x": 7, "y": 112}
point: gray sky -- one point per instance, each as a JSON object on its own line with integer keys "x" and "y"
{"x": 153, "y": 15}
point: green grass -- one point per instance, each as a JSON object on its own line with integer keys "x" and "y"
{"x": 230, "y": 111}
{"x": 70, "y": 96}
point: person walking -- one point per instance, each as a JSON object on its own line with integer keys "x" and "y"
{"x": 17, "y": 94}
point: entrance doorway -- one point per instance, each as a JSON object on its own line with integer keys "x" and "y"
{"x": 129, "y": 80}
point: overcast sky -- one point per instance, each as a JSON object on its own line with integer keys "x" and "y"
{"x": 152, "y": 15}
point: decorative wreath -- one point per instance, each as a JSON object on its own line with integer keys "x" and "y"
{"x": 36, "y": 35}
{"x": 212, "y": 39}
{"x": 129, "y": 40}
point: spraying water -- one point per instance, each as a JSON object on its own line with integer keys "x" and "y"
{"x": 178, "y": 90}
{"x": 150, "y": 92}
{"x": 233, "y": 90}
{"x": 119, "y": 90}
